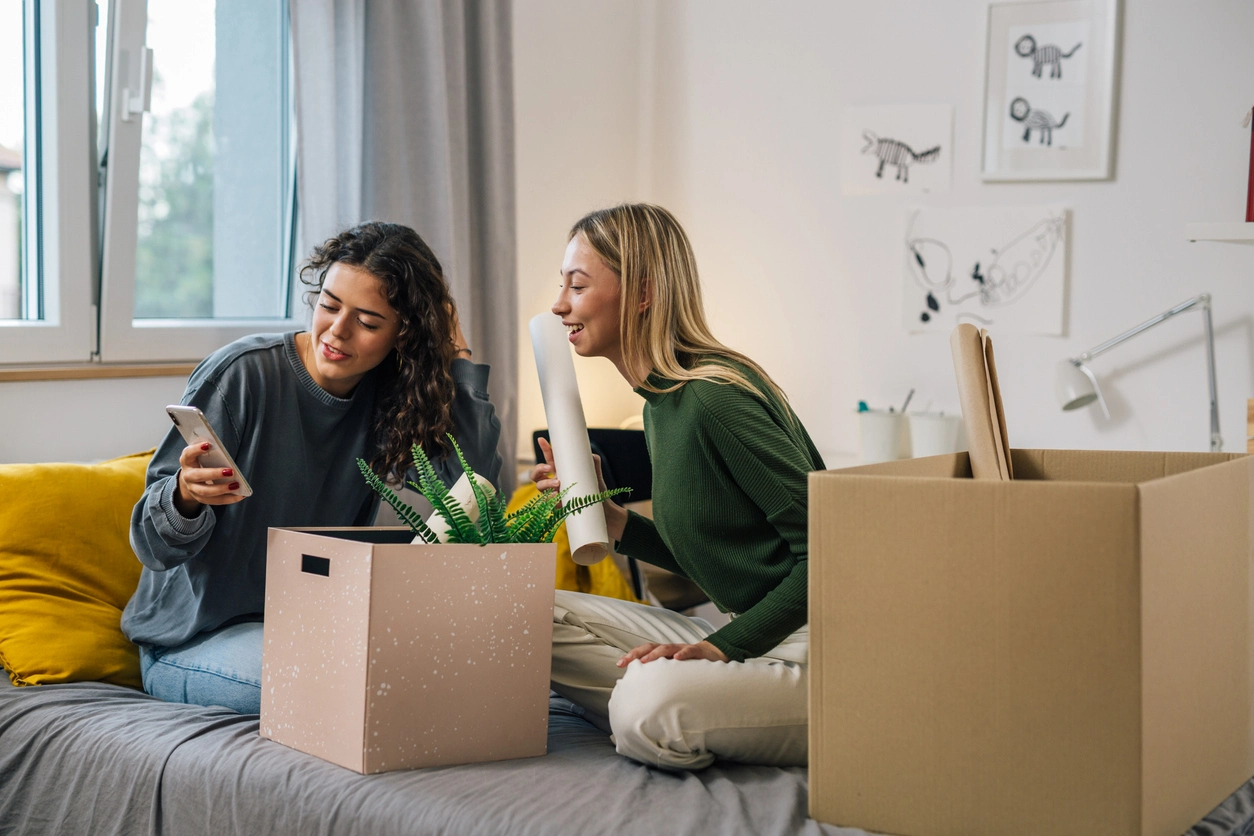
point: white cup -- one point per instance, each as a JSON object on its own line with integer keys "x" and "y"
{"x": 884, "y": 436}
{"x": 935, "y": 434}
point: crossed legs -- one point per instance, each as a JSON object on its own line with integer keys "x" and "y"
{"x": 678, "y": 715}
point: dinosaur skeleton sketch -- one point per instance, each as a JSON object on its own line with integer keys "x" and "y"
{"x": 895, "y": 152}
{"x": 912, "y": 139}
{"x": 999, "y": 282}
{"x": 1035, "y": 120}
{"x": 1049, "y": 54}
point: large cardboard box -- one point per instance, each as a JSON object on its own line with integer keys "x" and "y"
{"x": 380, "y": 654}
{"x": 1065, "y": 653}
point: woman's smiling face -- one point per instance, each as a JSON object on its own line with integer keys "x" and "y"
{"x": 353, "y": 329}
{"x": 588, "y": 302}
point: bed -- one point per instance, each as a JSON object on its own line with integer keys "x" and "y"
{"x": 92, "y": 758}
{"x": 87, "y": 757}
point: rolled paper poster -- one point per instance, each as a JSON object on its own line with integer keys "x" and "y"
{"x": 465, "y": 497}
{"x": 568, "y": 435}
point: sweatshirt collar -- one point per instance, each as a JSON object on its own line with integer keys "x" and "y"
{"x": 310, "y": 385}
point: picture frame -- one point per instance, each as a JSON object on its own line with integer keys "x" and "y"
{"x": 1049, "y": 90}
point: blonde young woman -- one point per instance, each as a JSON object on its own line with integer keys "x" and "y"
{"x": 730, "y": 460}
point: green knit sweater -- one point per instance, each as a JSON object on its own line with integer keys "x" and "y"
{"x": 729, "y": 506}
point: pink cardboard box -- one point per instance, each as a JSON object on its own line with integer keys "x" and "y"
{"x": 381, "y": 654}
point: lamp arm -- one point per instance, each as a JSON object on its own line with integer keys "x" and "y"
{"x": 1201, "y": 301}
{"x": 1216, "y": 440}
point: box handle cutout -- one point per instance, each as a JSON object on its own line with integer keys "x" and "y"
{"x": 315, "y": 565}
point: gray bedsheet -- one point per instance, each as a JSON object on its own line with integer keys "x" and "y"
{"x": 101, "y": 760}
{"x": 97, "y": 759}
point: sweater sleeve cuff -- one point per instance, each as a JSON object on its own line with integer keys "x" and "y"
{"x": 170, "y": 524}
{"x": 642, "y": 541}
{"x": 733, "y": 653}
{"x": 469, "y": 373}
{"x": 639, "y": 536}
{"x": 756, "y": 632}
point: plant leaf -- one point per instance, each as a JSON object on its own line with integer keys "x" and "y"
{"x": 461, "y": 529}
{"x": 575, "y": 506}
{"x": 537, "y": 521}
{"x": 496, "y": 507}
{"x": 485, "y": 526}
{"x": 518, "y": 521}
{"x": 403, "y": 510}
{"x": 532, "y": 529}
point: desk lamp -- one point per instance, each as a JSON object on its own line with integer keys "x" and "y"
{"x": 1076, "y": 385}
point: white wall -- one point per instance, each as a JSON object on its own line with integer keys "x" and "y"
{"x": 727, "y": 112}
{"x": 579, "y": 146}
{"x": 745, "y": 102}
{"x": 83, "y": 420}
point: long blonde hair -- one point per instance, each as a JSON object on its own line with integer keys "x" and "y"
{"x": 650, "y": 252}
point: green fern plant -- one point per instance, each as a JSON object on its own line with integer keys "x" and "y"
{"x": 535, "y": 522}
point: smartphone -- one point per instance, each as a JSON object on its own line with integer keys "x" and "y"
{"x": 195, "y": 430}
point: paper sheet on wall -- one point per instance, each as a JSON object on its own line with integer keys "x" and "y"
{"x": 568, "y": 434}
{"x": 896, "y": 149}
{"x": 985, "y": 265}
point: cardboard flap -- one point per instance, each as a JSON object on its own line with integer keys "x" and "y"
{"x": 979, "y": 398}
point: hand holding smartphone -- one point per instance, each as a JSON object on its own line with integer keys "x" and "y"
{"x": 195, "y": 429}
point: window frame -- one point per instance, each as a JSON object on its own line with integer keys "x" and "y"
{"x": 124, "y": 339}
{"x": 57, "y": 69}
{"x": 79, "y": 237}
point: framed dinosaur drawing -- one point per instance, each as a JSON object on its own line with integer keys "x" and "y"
{"x": 1049, "y": 89}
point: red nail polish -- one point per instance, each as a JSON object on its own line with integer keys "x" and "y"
{"x": 205, "y": 446}
{"x": 226, "y": 471}
{"x": 234, "y": 486}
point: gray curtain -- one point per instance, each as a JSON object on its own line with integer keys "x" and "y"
{"x": 405, "y": 113}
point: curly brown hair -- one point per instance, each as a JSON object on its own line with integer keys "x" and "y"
{"x": 414, "y": 385}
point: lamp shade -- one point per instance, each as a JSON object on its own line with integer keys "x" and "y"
{"x": 1074, "y": 388}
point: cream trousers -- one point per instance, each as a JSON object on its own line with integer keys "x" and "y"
{"x": 678, "y": 715}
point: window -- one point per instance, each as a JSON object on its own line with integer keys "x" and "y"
{"x": 47, "y": 270}
{"x": 180, "y": 239}
{"x": 198, "y": 211}
{"x": 12, "y": 140}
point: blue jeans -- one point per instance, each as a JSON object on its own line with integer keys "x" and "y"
{"x": 222, "y": 667}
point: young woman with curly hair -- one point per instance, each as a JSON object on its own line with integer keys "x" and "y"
{"x": 384, "y": 365}
{"x": 730, "y": 463}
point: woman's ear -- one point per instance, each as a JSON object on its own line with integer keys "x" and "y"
{"x": 646, "y": 295}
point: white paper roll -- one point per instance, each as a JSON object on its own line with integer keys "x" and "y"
{"x": 465, "y": 496}
{"x": 568, "y": 433}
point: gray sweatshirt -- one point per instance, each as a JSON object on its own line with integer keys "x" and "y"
{"x": 297, "y": 445}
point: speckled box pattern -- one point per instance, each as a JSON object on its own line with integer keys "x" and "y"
{"x": 381, "y": 654}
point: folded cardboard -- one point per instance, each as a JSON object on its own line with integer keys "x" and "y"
{"x": 1065, "y": 653}
{"x": 980, "y": 396}
{"x": 381, "y": 654}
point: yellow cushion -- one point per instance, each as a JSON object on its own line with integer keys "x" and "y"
{"x": 601, "y": 578}
{"x": 67, "y": 570}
